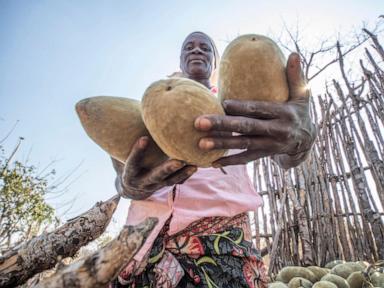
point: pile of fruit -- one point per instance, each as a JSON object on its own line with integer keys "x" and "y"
{"x": 336, "y": 274}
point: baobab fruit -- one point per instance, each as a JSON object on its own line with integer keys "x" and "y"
{"x": 324, "y": 284}
{"x": 253, "y": 68}
{"x": 287, "y": 273}
{"x": 344, "y": 270}
{"x": 277, "y": 285}
{"x": 318, "y": 271}
{"x": 333, "y": 263}
{"x": 356, "y": 279}
{"x": 297, "y": 282}
{"x": 377, "y": 279}
{"x": 170, "y": 108}
{"x": 363, "y": 264}
{"x": 115, "y": 124}
{"x": 339, "y": 281}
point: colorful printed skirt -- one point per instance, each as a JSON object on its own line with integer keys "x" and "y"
{"x": 212, "y": 252}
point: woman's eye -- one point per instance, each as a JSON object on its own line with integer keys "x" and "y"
{"x": 206, "y": 49}
{"x": 188, "y": 48}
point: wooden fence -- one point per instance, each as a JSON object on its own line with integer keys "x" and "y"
{"x": 331, "y": 206}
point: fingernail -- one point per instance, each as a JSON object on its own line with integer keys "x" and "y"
{"x": 203, "y": 123}
{"x": 206, "y": 144}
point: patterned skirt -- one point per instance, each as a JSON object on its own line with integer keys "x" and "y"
{"x": 212, "y": 252}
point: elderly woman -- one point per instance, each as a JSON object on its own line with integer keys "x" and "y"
{"x": 203, "y": 238}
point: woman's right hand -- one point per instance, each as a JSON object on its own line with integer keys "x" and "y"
{"x": 135, "y": 182}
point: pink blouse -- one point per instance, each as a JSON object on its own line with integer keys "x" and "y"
{"x": 207, "y": 193}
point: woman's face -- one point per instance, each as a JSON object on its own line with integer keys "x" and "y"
{"x": 197, "y": 57}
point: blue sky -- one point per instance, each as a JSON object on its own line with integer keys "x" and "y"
{"x": 54, "y": 53}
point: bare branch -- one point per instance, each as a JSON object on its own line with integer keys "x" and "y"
{"x": 377, "y": 45}
{"x": 10, "y": 132}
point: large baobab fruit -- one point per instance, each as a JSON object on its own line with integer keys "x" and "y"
{"x": 115, "y": 124}
{"x": 170, "y": 108}
{"x": 253, "y": 68}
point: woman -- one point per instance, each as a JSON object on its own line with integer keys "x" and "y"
{"x": 203, "y": 238}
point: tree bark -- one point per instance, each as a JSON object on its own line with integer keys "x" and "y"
{"x": 42, "y": 252}
{"x": 100, "y": 268}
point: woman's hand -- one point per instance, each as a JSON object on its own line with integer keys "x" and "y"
{"x": 135, "y": 182}
{"x": 284, "y": 130}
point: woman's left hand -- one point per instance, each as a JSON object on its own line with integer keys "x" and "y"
{"x": 265, "y": 128}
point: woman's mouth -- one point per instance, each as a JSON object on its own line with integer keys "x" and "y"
{"x": 196, "y": 61}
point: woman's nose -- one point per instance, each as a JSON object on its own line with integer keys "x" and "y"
{"x": 197, "y": 50}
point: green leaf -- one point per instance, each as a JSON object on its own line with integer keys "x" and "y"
{"x": 210, "y": 283}
{"x": 238, "y": 240}
{"x": 217, "y": 240}
{"x": 205, "y": 259}
{"x": 157, "y": 257}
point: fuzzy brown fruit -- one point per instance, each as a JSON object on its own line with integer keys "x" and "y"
{"x": 115, "y": 124}
{"x": 170, "y": 108}
{"x": 253, "y": 68}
